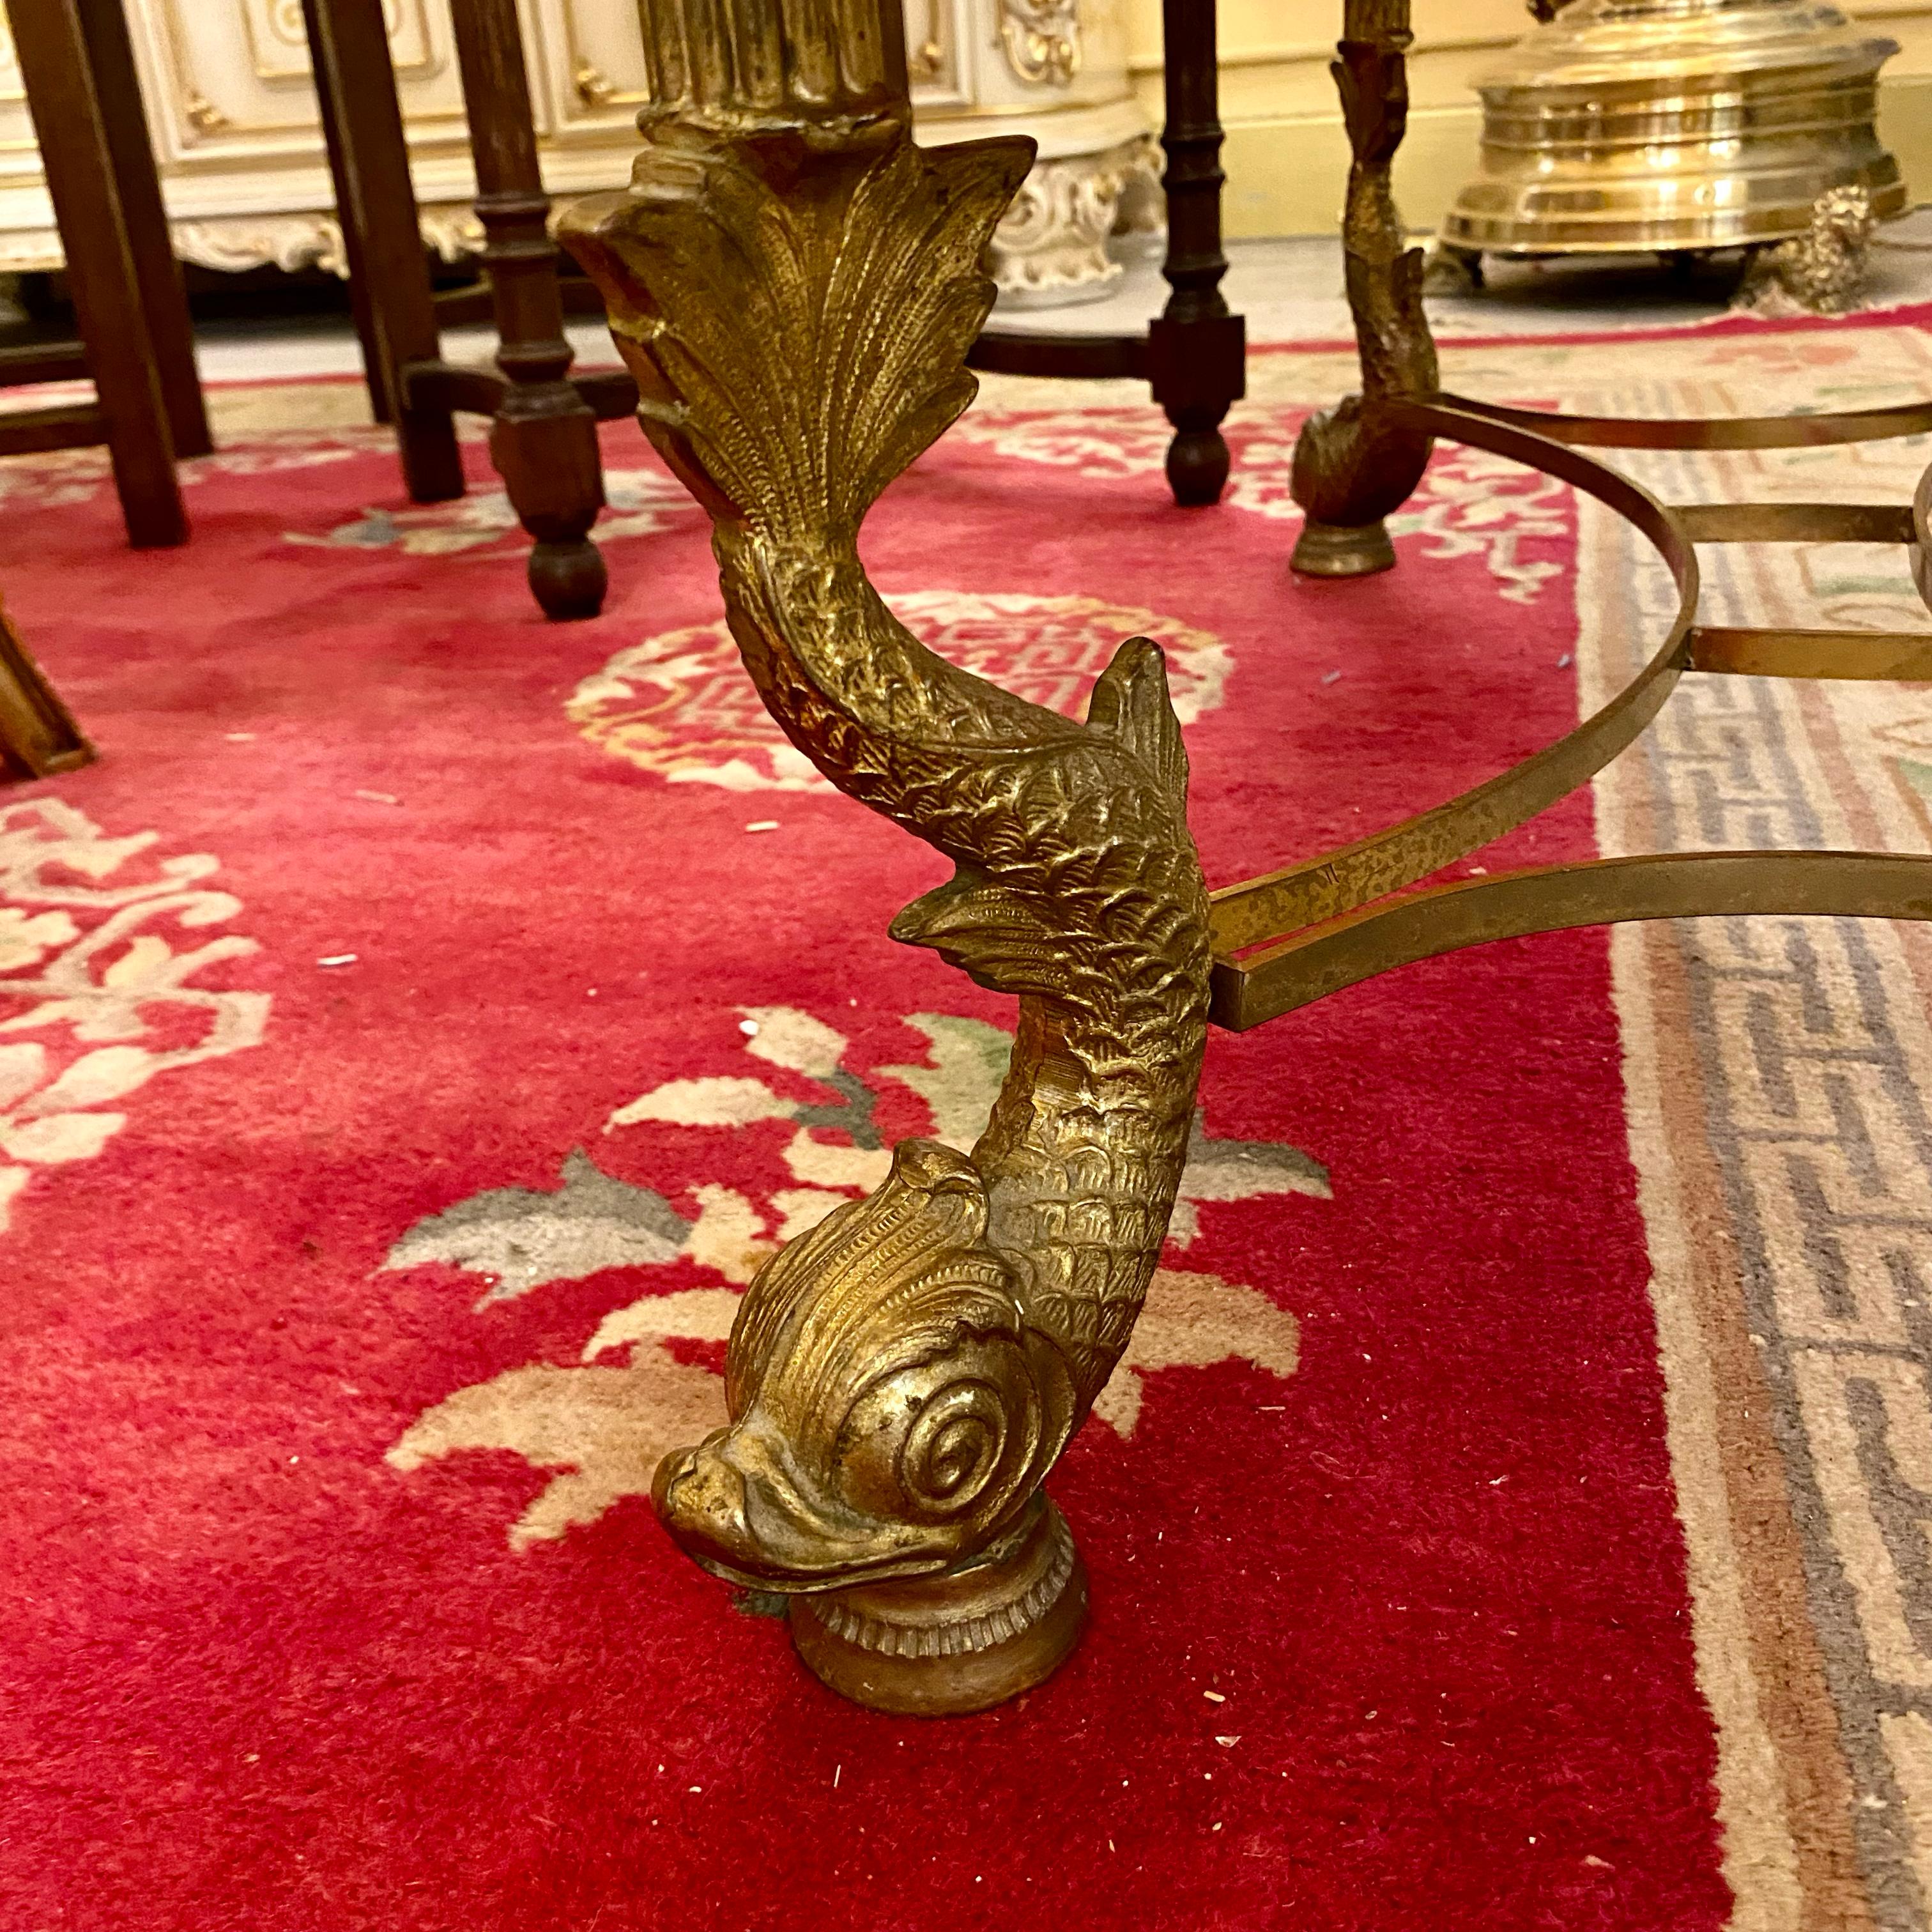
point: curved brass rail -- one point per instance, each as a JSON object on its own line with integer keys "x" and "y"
{"x": 1706, "y": 433}
{"x": 1326, "y": 887}
{"x": 1291, "y": 937}
{"x": 1555, "y": 899}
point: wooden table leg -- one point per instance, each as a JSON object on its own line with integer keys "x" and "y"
{"x": 164, "y": 299}
{"x": 544, "y": 439}
{"x": 77, "y": 153}
{"x": 395, "y": 315}
{"x": 1197, "y": 349}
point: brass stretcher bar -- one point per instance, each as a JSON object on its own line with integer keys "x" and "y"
{"x": 1292, "y": 937}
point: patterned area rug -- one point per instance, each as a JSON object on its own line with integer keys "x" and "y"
{"x": 415, "y": 1031}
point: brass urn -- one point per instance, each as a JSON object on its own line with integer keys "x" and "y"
{"x": 1675, "y": 127}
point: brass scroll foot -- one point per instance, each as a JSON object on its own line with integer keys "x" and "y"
{"x": 1331, "y": 549}
{"x": 940, "y": 1646}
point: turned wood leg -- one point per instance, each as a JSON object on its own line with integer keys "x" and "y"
{"x": 78, "y": 153}
{"x": 544, "y": 439}
{"x": 1196, "y": 349}
{"x": 395, "y": 315}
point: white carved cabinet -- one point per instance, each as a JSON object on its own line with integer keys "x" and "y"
{"x": 235, "y": 126}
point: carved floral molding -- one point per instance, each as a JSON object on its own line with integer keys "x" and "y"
{"x": 1042, "y": 39}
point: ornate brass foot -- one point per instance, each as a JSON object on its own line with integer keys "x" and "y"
{"x": 1447, "y": 270}
{"x": 964, "y": 1640}
{"x": 1327, "y": 550}
{"x": 38, "y": 736}
{"x": 1820, "y": 272}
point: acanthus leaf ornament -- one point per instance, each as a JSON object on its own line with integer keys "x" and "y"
{"x": 794, "y": 284}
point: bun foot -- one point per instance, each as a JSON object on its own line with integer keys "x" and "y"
{"x": 1197, "y": 467}
{"x": 1330, "y": 549}
{"x": 568, "y": 580}
{"x": 964, "y": 1640}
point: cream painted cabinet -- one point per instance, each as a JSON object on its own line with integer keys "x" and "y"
{"x": 242, "y": 163}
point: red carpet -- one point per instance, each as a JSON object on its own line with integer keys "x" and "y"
{"x": 1391, "y": 1628}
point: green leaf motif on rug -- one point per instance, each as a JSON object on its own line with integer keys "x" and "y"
{"x": 601, "y": 1428}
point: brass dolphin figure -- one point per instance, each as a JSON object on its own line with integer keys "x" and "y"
{"x": 794, "y": 286}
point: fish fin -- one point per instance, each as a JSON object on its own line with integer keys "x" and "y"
{"x": 1131, "y": 705}
{"x": 987, "y": 931}
{"x": 795, "y": 351}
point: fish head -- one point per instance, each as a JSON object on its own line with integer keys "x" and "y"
{"x": 891, "y": 1409}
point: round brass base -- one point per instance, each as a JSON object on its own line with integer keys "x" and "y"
{"x": 1328, "y": 550}
{"x": 966, "y": 1640}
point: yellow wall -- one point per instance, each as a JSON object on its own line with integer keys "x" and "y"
{"x": 1287, "y": 158}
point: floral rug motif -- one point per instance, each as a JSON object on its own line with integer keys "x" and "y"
{"x": 1490, "y": 1525}
{"x": 680, "y": 705}
{"x": 97, "y": 993}
{"x": 607, "y": 1428}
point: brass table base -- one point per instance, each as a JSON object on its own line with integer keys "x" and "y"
{"x": 940, "y": 1647}
{"x": 794, "y": 284}
{"x": 1298, "y": 935}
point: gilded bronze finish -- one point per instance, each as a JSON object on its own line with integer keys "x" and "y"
{"x": 794, "y": 284}
{"x": 1819, "y": 272}
{"x": 38, "y": 736}
{"x": 1675, "y": 126}
{"x": 1296, "y": 935}
{"x": 1358, "y": 461}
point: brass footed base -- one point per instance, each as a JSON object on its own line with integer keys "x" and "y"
{"x": 1328, "y": 550}
{"x": 939, "y": 1646}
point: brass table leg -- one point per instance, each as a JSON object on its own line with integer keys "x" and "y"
{"x": 795, "y": 284}
{"x": 38, "y": 737}
{"x": 1357, "y": 464}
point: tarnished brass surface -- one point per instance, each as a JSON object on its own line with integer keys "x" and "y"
{"x": 1669, "y": 125}
{"x": 1357, "y": 462}
{"x": 1003, "y": 1623}
{"x": 1421, "y": 925}
{"x": 38, "y": 736}
{"x": 1897, "y": 657}
{"x": 1806, "y": 432}
{"x": 1820, "y": 272}
{"x": 1297, "y": 934}
{"x": 1329, "y": 549}
{"x": 794, "y": 284}
{"x": 1794, "y": 523}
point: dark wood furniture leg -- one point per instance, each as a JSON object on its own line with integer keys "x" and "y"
{"x": 543, "y": 439}
{"x": 164, "y": 299}
{"x": 395, "y": 313}
{"x": 78, "y": 151}
{"x": 1194, "y": 353}
{"x": 1197, "y": 350}
{"x": 38, "y": 737}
